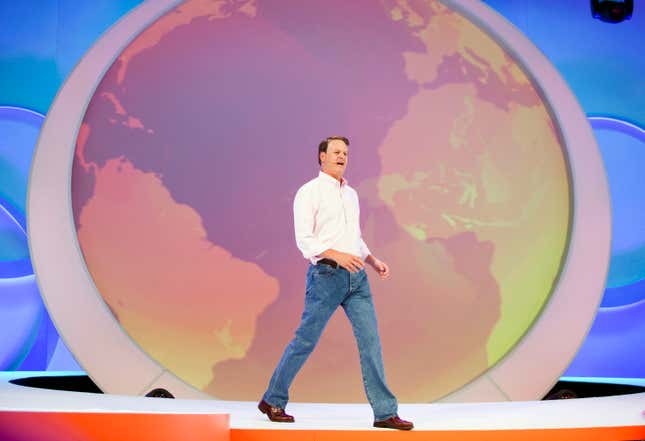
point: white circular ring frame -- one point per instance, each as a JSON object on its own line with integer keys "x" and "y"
{"x": 118, "y": 365}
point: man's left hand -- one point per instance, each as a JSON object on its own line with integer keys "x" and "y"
{"x": 379, "y": 266}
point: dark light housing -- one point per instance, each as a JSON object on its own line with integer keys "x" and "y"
{"x": 612, "y": 11}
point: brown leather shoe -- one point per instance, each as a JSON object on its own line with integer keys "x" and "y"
{"x": 275, "y": 414}
{"x": 394, "y": 423}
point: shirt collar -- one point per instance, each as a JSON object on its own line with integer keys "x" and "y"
{"x": 331, "y": 180}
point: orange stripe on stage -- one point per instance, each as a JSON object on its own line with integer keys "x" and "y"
{"x": 85, "y": 426}
{"x": 582, "y": 434}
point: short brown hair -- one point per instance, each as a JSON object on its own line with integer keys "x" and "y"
{"x": 322, "y": 147}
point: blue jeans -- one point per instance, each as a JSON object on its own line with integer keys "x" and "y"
{"x": 328, "y": 288}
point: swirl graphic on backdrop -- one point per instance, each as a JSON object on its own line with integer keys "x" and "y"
{"x": 620, "y": 316}
{"x": 22, "y": 312}
{"x": 619, "y": 140}
{"x": 182, "y": 198}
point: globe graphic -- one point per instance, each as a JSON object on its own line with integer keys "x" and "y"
{"x": 206, "y": 124}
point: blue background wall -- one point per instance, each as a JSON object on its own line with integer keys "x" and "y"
{"x": 42, "y": 40}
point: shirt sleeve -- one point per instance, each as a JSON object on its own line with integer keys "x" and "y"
{"x": 303, "y": 222}
{"x": 364, "y": 250}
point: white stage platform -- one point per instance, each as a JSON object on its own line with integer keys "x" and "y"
{"x": 606, "y": 412}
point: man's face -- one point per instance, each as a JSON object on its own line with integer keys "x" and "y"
{"x": 334, "y": 161}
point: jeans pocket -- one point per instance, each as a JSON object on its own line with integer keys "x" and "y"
{"x": 325, "y": 270}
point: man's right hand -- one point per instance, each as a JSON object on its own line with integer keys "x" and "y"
{"x": 351, "y": 263}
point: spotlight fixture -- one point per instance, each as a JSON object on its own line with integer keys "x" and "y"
{"x": 562, "y": 394}
{"x": 612, "y": 11}
{"x": 159, "y": 393}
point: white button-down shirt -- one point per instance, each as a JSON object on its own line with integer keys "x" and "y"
{"x": 326, "y": 215}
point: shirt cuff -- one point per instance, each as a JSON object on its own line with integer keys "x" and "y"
{"x": 364, "y": 250}
{"x": 311, "y": 248}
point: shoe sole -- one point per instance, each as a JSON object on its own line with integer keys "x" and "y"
{"x": 385, "y": 426}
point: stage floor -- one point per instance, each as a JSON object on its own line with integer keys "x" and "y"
{"x": 623, "y": 411}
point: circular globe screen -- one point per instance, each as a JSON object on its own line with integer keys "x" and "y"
{"x": 206, "y": 124}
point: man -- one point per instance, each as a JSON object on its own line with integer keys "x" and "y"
{"x": 326, "y": 220}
